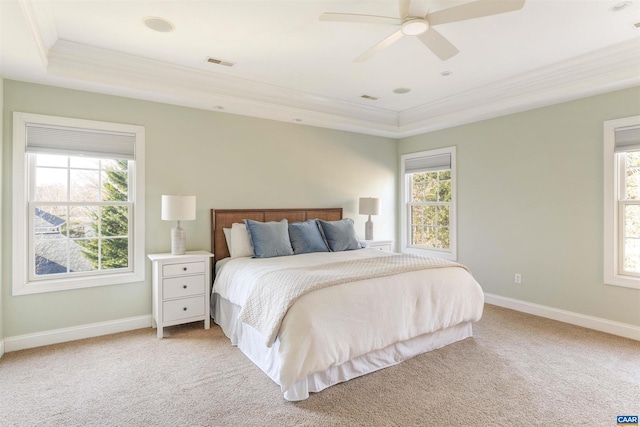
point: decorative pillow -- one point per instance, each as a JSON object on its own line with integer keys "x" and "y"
{"x": 340, "y": 235}
{"x": 227, "y": 237}
{"x": 269, "y": 239}
{"x": 240, "y": 242}
{"x": 306, "y": 237}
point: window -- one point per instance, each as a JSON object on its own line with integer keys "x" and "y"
{"x": 428, "y": 191}
{"x": 622, "y": 202}
{"x": 78, "y": 203}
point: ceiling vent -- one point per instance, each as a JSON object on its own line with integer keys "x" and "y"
{"x": 220, "y": 62}
{"x": 369, "y": 97}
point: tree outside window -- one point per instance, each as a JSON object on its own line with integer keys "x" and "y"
{"x": 430, "y": 206}
{"x": 630, "y": 203}
{"x": 81, "y": 213}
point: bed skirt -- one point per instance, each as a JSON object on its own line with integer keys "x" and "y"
{"x": 251, "y": 343}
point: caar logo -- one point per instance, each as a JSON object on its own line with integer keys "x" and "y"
{"x": 627, "y": 420}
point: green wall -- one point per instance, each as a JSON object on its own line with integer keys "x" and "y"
{"x": 530, "y": 197}
{"x": 530, "y": 201}
{"x": 227, "y": 161}
{"x": 1, "y": 216}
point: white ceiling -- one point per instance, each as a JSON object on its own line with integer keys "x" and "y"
{"x": 290, "y": 66}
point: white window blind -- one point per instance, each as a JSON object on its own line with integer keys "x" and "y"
{"x": 79, "y": 142}
{"x": 428, "y": 163}
{"x": 627, "y": 139}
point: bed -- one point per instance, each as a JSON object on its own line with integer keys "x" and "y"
{"x": 370, "y": 310}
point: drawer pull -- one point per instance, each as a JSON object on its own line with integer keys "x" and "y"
{"x": 184, "y": 287}
{"x": 184, "y": 309}
{"x": 184, "y": 268}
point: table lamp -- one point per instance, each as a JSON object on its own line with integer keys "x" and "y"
{"x": 369, "y": 206}
{"x": 178, "y": 208}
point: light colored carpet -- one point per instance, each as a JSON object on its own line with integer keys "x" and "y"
{"x": 517, "y": 370}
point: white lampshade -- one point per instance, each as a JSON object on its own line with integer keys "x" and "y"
{"x": 369, "y": 206}
{"x": 178, "y": 208}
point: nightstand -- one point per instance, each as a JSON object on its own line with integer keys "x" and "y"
{"x": 383, "y": 245}
{"x": 180, "y": 288}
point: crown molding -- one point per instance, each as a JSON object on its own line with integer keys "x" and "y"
{"x": 240, "y": 96}
{"x": 111, "y": 72}
{"x": 616, "y": 67}
{"x": 39, "y": 18}
{"x": 605, "y": 70}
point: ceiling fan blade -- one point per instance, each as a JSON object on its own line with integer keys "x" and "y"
{"x": 380, "y": 46}
{"x": 438, "y": 44}
{"x": 404, "y": 7}
{"x": 354, "y": 17}
{"x": 475, "y": 9}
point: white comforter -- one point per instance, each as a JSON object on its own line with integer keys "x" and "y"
{"x": 332, "y": 325}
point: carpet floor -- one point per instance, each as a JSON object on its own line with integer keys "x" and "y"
{"x": 518, "y": 369}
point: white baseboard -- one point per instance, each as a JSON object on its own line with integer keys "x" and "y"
{"x": 590, "y": 322}
{"x": 1, "y": 348}
{"x": 75, "y": 333}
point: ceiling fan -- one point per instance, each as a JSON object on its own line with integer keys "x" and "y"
{"x": 422, "y": 27}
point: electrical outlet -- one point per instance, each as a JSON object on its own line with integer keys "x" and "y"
{"x": 517, "y": 278}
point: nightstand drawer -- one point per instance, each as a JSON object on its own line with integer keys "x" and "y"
{"x": 382, "y": 247}
{"x": 183, "y": 308}
{"x": 185, "y": 286}
{"x": 182, "y": 268}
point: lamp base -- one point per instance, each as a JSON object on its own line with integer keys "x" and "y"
{"x": 368, "y": 229}
{"x": 178, "y": 240}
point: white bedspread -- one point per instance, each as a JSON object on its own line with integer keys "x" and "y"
{"x": 335, "y": 324}
{"x": 277, "y": 289}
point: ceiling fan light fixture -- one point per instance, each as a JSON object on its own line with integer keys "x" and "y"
{"x": 415, "y": 27}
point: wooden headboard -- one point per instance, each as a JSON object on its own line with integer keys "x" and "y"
{"x": 223, "y": 218}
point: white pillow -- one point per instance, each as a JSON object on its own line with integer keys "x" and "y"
{"x": 240, "y": 242}
{"x": 227, "y": 237}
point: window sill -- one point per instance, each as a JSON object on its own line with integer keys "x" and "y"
{"x": 624, "y": 281}
{"x": 65, "y": 284}
{"x": 431, "y": 253}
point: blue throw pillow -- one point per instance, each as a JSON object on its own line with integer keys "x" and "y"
{"x": 306, "y": 237}
{"x": 269, "y": 239}
{"x": 340, "y": 235}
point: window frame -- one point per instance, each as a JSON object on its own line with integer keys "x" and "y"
{"x": 405, "y": 199}
{"x": 22, "y": 238}
{"x": 614, "y": 177}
